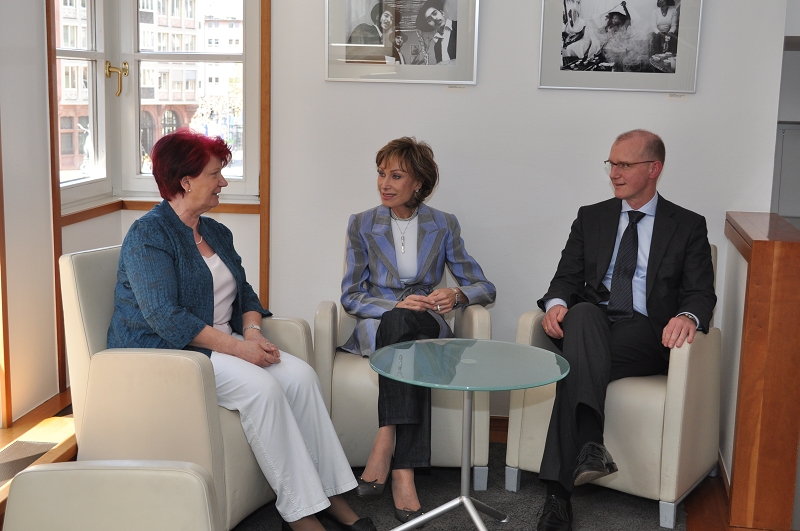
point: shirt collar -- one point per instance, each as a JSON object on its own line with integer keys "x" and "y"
{"x": 448, "y": 25}
{"x": 649, "y": 209}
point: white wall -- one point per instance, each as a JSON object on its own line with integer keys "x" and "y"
{"x": 516, "y": 161}
{"x": 789, "y": 108}
{"x": 792, "y": 28}
{"x": 26, "y": 182}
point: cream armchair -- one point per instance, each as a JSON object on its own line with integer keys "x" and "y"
{"x": 157, "y": 404}
{"x": 119, "y": 495}
{"x": 663, "y": 430}
{"x": 350, "y": 389}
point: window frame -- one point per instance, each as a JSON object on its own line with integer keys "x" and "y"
{"x": 247, "y": 189}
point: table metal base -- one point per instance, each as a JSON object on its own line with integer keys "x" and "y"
{"x": 469, "y": 503}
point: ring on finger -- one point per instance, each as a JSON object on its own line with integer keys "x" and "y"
{"x": 438, "y": 308}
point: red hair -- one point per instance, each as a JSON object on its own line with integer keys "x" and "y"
{"x": 184, "y": 153}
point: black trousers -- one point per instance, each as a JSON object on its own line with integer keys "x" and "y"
{"x": 598, "y": 352}
{"x": 406, "y": 406}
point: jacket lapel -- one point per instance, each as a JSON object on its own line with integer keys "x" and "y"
{"x": 663, "y": 228}
{"x": 381, "y": 241}
{"x": 607, "y": 237}
{"x": 429, "y": 238}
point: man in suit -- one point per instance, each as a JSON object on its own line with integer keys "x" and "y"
{"x": 628, "y": 288}
{"x": 431, "y": 17}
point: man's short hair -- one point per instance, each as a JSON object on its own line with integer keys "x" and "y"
{"x": 654, "y": 146}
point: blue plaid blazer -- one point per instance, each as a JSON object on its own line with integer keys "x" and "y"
{"x": 372, "y": 285}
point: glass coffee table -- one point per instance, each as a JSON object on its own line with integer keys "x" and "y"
{"x": 467, "y": 365}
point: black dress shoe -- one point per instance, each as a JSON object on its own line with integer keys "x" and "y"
{"x": 362, "y": 524}
{"x": 594, "y": 462}
{"x": 556, "y": 515}
{"x": 370, "y": 489}
{"x": 405, "y": 515}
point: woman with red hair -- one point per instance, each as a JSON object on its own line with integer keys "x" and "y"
{"x": 181, "y": 285}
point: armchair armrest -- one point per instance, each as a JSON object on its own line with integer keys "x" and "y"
{"x": 691, "y": 416}
{"x": 290, "y": 334}
{"x": 326, "y": 331}
{"x": 473, "y": 321}
{"x": 121, "y": 495}
{"x": 153, "y": 404}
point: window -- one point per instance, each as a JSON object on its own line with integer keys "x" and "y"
{"x": 169, "y": 123}
{"x": 147, "y": 40}
{"x": 69, "y": 36}
{"x": 170, "y": 92}
{"x": 67, "y": 146}
{"x": 66, "y": 122}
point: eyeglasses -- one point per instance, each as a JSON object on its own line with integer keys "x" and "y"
{"x": 623, "y": 166}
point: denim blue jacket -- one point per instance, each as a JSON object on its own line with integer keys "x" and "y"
{"x": 165, "y": 293}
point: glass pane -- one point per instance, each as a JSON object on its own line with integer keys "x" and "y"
{"x": 204, "y": 96}
{"x": 165, "y": 24}
{"x": 72, "y": 24}
{"x": 76, "y": 118}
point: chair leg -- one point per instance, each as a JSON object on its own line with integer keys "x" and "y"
{"x": 667, "y": 514}
{"x": 480, "y": 477}
{"x": 513, "y": 479}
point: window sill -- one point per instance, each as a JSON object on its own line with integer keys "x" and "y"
{"x": 100, "y": 207}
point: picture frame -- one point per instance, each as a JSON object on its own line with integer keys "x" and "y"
{"x": 438, "y": 41}
{"x": 636, "y": 45}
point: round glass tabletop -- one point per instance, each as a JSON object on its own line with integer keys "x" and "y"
{"x": 469, "y": 364}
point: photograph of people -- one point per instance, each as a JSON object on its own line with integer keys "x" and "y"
{"x": 431, "y": 17}
{"x": 665, "y": 27}
{"x": 396, "y": 256}
{"x": 619, "y": 36}
{"x": 397, "y": 50}
{"x": 373, "y": 41}
{"x": 181, "y": 285}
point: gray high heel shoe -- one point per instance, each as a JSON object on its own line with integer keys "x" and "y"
{"x": 405, "y": 515}
{"x": 371, "y": 489}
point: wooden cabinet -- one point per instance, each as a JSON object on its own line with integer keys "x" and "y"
{"x": 767, "y": 428}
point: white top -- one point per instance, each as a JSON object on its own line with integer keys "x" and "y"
{"x": 406, "y": 261}
{"x": 224, "y": 292}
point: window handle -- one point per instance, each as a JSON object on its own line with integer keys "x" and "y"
{"x": 119, "y": 71}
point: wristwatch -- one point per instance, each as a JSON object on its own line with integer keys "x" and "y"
{"x": 456, "y": 292}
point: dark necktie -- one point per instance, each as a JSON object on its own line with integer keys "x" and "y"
{"x": 620, "y": 302}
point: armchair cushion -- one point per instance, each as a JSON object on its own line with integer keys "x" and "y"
{"x": 120, "y": 495}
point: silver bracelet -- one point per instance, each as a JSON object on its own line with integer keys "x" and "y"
{"x": 248, "y": 327}
{"x": 456, "y": 292}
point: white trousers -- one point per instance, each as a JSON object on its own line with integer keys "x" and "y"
{"x": 289, "y": 430}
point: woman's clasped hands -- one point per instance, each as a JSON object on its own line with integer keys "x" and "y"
{"x": 440, "y": 301}
{"x": 256, "y": 349}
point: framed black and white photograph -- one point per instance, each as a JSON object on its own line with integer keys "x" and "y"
{"x": 648, "y": 45}
{"x": 404, "y": 41}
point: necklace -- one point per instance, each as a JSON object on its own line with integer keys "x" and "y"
{"x": 408, "y": 220}
{"x": 201, "y": 240}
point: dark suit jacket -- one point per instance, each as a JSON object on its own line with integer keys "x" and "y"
{"x": 451, "y": 47}
{"x": 680, "y": 273}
